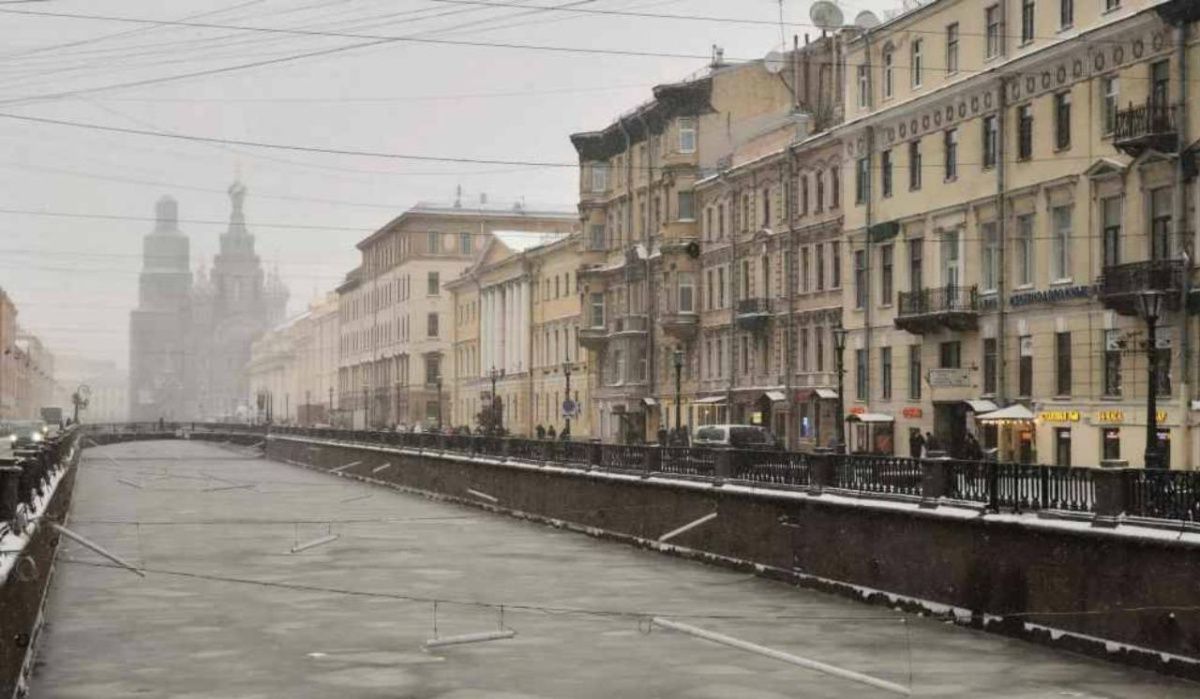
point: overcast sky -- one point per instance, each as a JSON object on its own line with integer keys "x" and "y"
{"x": 74, "y": 279}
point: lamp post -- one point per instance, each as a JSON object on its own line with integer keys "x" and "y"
{"x": 678, "y": 393}
{"x": 1151, "y": 308}
{"x": 366, "y": 408}
{"x": 438, "y": 381}
{"x": 839, "y": 344}
{"x": 567, "y": 415}
{"x": 494, "y": 374}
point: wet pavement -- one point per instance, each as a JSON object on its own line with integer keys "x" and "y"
{"x": 226, "y": 610}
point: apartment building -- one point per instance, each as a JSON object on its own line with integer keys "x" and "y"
{"x": 1017, "y": 173}
{"x": 771, "y": 228}
{"x": 516, "y": 326}
{"x": 395, "y": 314}
{"x": 296, "y": 365}
{"x": 641, "y": 225}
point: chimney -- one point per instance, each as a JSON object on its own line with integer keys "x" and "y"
{"x": 483, "y": 197}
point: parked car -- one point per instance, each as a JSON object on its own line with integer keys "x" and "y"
{"x": 736, "y": 436}
{"x": 26, "y": 433}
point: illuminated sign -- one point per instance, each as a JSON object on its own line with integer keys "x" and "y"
{"x": 857, "y": 410}
{"x": 1111, "y": 416}
{"x": 911, "y": 412}
{"x": 1060, "y": 416}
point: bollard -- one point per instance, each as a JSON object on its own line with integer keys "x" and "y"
{"x": 595, "y": 454}
{"x": 935, "y": 482}
{"x": 723, "y": 466}
{"x": 1112, "y": 493}
{"x": 652, "y": 462}
{"x": 822, "y": 472}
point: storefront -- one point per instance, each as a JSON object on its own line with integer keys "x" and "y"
{"x": 710, "y": 410}
{"x": 1012, "y": 430}
{"x": 871, "y": 433}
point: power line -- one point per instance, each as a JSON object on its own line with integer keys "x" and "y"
{"x": 117, "y": 217}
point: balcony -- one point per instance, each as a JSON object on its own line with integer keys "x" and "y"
{"x": 682, "y": 326}
{"x": 1142, "y": 127}
{"x": 593, "y": 338}
{"x": 629, "y": 325}
{"x": 1119, "y": 285}
{"x": 929, "y": 310}
{"x": 753, "y": 314}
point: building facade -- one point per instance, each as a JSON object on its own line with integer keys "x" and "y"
{"x": 395, "y": 315}
{"x": 1017, "y": 174}
{"x": 293, "y": 367}
{"x": 517, "y": 314}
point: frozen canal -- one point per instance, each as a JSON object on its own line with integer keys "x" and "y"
{"x": 227, "y": 611}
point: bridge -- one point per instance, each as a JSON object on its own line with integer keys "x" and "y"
{"x": 307, "y": 562}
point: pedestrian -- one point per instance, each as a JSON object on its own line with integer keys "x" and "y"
{"x": 160, "y": 424}
{"x": 551, "y": 433}
{"x": 971, "y": 448}
{"x": 540, "y": 431}
{"x": 916, "y": 443}
{"x": 931, "y": 443}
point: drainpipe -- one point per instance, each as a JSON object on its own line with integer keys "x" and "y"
{"x": 733, "y": 266}
{"x": 1181, "y": 227}
{"x": 869, "y": 219}
{"x": 789, "y": 284}
{"x": 1002, "y": 233}
{"x": 647, "y": 299}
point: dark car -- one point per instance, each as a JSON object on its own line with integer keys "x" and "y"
{"x": 26, "y": 433}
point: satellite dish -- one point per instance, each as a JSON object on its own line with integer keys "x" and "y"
{"x": 774, "y": 62}
{"x": 866, "y": 20}
{"x": 825, "y": 15}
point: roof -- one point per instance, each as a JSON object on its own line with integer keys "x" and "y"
{"x": 484, "y": 210}
{"x": 1015, "y": 412}
{"x": 521, "y": 241}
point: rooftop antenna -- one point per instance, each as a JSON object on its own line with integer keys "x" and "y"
{"x": 458, "y": 197}
{"x": 782, "y": 33}
{"x": 826, "y": 16}
{"x": 718, "y": 56}
{"x": 866, "y": 20}
{"x": 774, "y": 62}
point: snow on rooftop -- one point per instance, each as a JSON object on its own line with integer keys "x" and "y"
{"x": 520, "y": 241}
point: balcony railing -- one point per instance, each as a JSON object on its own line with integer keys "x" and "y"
{"x": 629, "y": 324}
{"x": 924, "y": 310}
{"x": 753, "y": 314}
{"x": 1120, "y": 285}
{"x": 1147, "y": 125}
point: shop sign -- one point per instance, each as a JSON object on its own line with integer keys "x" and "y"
{"x": 911, "y": 412}
{"x": 1060, "y": 416}
{"x": 857, "y": 410}
{"x": 1113, "y": 416}
{"x": 949, "y": 378}
{"x": 1062, "y": 293}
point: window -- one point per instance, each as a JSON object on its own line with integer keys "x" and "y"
{"x": 1061, "y": 240}
{"x": 914, "y": 164}
{"x": 431, "y": 325}
{"x": 1111, "y": 87}
{"x": 860, "y": 374}
{"x": 864, "y": 87}
{"x": 819, "y": 200}
{"x": 819, "y": 345}
{"x": 1066, "y": 13}
{"x": 991, "y": 256}
{"x": 1025, "y": 366}
{"x": 766, "y": 207}
{"x": 885, "y": 274}
{"x": 888, "y": 70}
{"x": 600, "y": 177}
{"x": 885, "y": 373}
{"x": 1160, "y": 223}
{"x": 1062, "y": 446}
{"x": 1110, "y": 212}
{"x": 803, "y": 198}
{"x": 596, "y": 236}
{"x": 835, "y": 189}
{"x": 720, "y": 221}
{"x": 918, "y": 61}
{"x": 1112, "y": 362}
{"x": 1024, "y": 250}
{"x": 687, "y": 135}
{"x": 687, "y": 292}
{"x": 952, "y": 48}
{"x": 434, "y": 242}
{"x": 557, "y": 287}
{"x": 687, "y": 206}
{"x": 885, "y": 172}
{"x": 1110, "y": 444}
{"x": 1062, "y": 120}
{"x": 950, "y": 144}
{"x": 950, "y": 355}
{"x": 1025, "y": 132}
{"x": 989, "y": 142}
{"x": 1160, "y": 83}
{"x": 433, "y": 368}
{"x": 597, "y": 310}
{"x": 916, "y": 252}
{"x": 989, "y": 365}
{"x": 804, "y": 264}
{"x": 914, "y": 372}
{"x": 860, "y": 278}
{"x": 991, "y": 18}
{"x": 861, "y": 170}
{"x": 835, "y": 265}
{"x": 1162, "y": 359}
{"x": 820, "y": 270}
{"x": 1062, "y": 364}
{"x": 1026, "y": 21}
{"x": 803, "y": 349}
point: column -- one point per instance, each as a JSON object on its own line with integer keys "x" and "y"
{"x": 523, "y": 326}
{"x": 485, "y": 330}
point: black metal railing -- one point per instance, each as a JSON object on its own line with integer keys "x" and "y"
{"x": 940, "y": 299}
{"x": 1132, "y": 277}
{"x": 1000, "y": 487}
{"x": 759, "y": 306}
{"x": 1151, "y": 118}
{"x": 27, "y": 474}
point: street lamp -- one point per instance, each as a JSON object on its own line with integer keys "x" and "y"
{"x": 567, "y": 415}
{"x": 1151, "y": 302}
{"x": 494, "y": 374}
{"x": 678, "y": 393}
{"x": 839, "y": 344}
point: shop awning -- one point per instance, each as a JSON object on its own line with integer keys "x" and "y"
{"x": 981, "y": 406}
{"x": 775, "y": 396}
{"x": 649, "y": 401}
{"x": 1013, "y": 413}
{"x": 827, "y": 393}
{"x": 710, "y": 400}
{"x": 869, "y": 417}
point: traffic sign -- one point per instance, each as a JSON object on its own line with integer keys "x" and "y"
{"x": 569, "y": 407}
